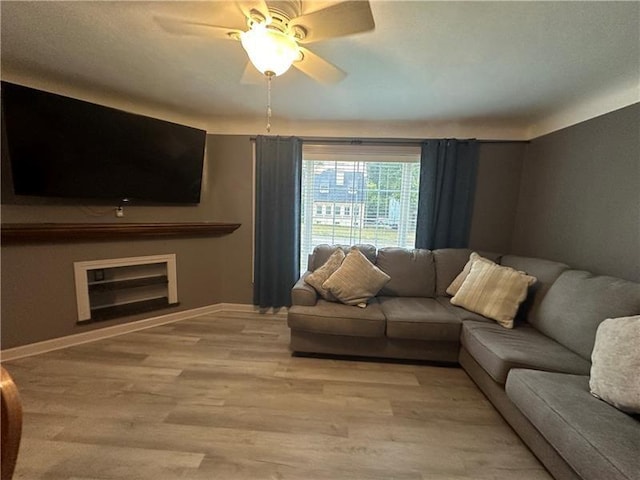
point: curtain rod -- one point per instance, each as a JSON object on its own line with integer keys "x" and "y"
{"x": 384, "y": 141}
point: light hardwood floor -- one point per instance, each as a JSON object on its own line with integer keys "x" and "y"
{"x": 220, "y": 397}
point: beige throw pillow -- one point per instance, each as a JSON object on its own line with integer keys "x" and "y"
{"x": 493, "y": 291}
{"x": 615, "y": 363}
{"x": 357, "y": 280}
{"x": 457, "y": 282}
{"x": 320, "y": 275}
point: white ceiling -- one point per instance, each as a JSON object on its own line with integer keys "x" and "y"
{"x": 483, "y": 69}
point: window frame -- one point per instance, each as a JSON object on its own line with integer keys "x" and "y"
{"x": 358, "y": 218}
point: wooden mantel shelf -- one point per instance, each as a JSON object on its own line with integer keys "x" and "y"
{"x": 16, "y": 233}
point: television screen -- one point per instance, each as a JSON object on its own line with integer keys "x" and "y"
{"x": 63, "y": 147}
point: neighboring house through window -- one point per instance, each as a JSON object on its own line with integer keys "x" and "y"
{"x": 368, "y": 193}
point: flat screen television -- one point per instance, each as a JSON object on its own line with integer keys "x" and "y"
{"x": 64, "y": 147}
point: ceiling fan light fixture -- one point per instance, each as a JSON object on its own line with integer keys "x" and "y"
{"x": 271, "y": 51}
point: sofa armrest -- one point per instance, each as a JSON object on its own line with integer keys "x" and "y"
{"x": 303, "y": 294}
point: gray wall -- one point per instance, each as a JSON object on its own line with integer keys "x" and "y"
{"x": 38, "y": 293}
{"x": 580, "y": 196}
{"x": 497, "y": 187}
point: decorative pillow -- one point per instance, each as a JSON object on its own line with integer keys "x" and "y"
{"x": 357, "y": 280}
{"x": 319, "y": 276}
{"x": 457, "y": 282}
{"x": 323, "y": 251}
{"x": 493, "y": 291}
{"x": 615, "y": 363}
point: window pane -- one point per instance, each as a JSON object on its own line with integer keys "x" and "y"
{"x": 364, "y": 202}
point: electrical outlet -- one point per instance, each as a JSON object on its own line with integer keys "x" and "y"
{"x": 120, "y": 212}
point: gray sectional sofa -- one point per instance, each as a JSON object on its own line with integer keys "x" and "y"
{"x": 536, "y": 374}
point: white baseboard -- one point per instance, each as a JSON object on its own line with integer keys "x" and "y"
{"x": 107, "y": 332}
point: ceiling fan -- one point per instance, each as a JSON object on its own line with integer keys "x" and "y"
{"x": 273, "y": 33}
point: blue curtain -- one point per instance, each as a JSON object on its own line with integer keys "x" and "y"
{"x": 277, "y": 220}
{"x": 448, "y": 170}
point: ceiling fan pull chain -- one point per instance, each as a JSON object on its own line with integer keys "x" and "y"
{"x": 269, "y": 102}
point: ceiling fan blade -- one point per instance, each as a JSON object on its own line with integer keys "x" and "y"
{"x": 251, "y": 75}
{"x": 341, "y": 19}
{"x": 318, "y": 68}
{"x": 187, "y": 27}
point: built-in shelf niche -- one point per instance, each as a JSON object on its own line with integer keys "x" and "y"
{"x": 124, "y": 286}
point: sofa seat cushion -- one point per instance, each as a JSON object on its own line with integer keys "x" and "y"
{"x": 338, "y": 319}
{"x": 498, "y": 350}
{"x": 462, "y": 313}
{"x": 595, "y": 439}
{"x": 419, "y": 318}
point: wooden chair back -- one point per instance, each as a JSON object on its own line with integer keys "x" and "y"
{"x": 11, "y": 424}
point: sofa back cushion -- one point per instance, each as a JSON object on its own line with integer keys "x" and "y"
{"x": 578, "y": 302}
{"x": 412, "y": 272}
{"x": 450, "y": 262}
{"x": 545, "y": 271}
{"x": 322, "y": 252}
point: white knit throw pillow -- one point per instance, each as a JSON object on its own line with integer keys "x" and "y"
{"x": 615, "y": 363}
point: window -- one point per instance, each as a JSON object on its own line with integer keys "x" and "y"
{"x": 373, "y": 190}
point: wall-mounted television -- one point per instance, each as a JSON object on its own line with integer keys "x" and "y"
{"x": 64, "y": 147}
